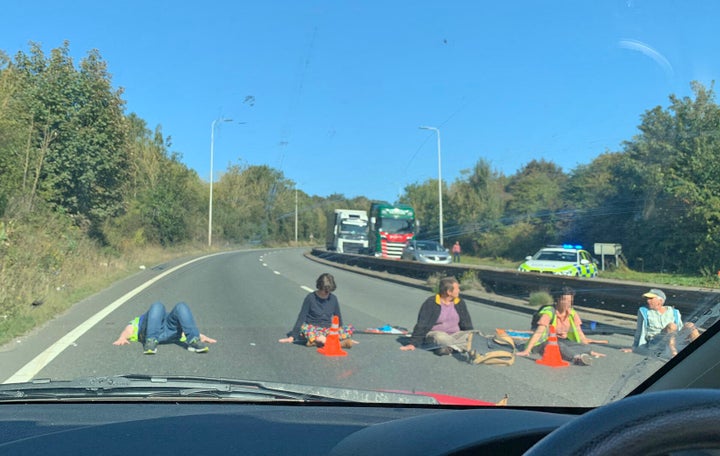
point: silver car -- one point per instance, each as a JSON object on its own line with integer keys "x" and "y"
{"x": 427, "y": 252}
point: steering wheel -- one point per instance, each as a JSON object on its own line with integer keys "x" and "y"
{"x": 653, "y": 423}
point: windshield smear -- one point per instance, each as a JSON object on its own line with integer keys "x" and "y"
{"x": 464, "y": 203}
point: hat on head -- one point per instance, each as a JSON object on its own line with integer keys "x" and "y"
{"x": 655, "y": 293}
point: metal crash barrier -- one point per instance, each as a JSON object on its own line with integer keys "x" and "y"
{"x": 613, "y": 296}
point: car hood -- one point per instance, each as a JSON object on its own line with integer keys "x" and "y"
{"x": 547, "y": 264}
{"x": 432, "y": 253}
{"x": 188, "y": 387}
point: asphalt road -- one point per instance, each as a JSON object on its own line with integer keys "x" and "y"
{"x": 249, "y": 299}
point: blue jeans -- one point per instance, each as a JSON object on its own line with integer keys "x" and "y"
{"x": 168, "y": 326}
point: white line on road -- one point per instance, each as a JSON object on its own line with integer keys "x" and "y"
{"x": 308, "y": 289}
{"x": 28, "y": 371}
{"x": 276, "y": 272}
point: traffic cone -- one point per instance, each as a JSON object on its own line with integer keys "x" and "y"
{"x": 332, "y": 341}
{"x": 551, "y": 356}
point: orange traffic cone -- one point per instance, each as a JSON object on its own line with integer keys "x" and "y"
{"x": 332, "y": 341}
{"x": 551, "y": 356}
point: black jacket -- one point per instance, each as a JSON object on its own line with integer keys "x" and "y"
{"x": 317, "y": 312}
{"x": 428, "y": 315}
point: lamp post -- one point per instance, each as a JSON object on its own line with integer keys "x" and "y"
{"x": 440, "y": 201}
{"x": 212, "y": 145}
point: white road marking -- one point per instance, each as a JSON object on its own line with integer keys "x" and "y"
{"x": 31, "y": 369}
{"x": 308, "y": 289}
{"x": 276, "y": 272}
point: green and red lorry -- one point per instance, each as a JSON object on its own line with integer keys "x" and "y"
{"x": 391, "y": 227}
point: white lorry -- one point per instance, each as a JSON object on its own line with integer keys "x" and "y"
{"x": 348, "y": 231}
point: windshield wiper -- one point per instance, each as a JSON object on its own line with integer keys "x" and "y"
{"x": 146, "y": 386}
{"x": 179, "y": 387}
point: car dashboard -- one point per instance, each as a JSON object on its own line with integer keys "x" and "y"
{"x": 232, "y": 428}
{"x": 683, "y": 394}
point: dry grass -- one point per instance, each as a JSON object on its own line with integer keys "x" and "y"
{"x": 45, "y": 270}
{"x": 433, "y": 282}
{"x": 470, "y": 281}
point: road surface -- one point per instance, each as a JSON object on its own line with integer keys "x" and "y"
{"x": 249, "y": 299}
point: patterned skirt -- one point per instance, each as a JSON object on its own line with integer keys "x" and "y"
{"x": 311, "y": 332}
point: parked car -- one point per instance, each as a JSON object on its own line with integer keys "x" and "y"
{"x": 427, "y": 252}
{"x": 570, "y": 260}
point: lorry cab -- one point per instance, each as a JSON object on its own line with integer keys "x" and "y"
{"x": 348, "y": 231}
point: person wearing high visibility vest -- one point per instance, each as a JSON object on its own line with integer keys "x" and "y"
{"x": 315, "y": 318}
{"x": 572, "y": 340}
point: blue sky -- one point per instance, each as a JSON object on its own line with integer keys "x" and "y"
{"x": 339, "y": 88}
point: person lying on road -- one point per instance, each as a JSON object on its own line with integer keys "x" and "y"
{"x": 157, "y": 326}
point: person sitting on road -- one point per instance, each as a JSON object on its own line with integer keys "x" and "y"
{"x": 157, "y": 326}
{"x": 658, "y": 326}
{"x": 315, "y": 318}
{"x": 568, "y": 328}
{"x": 443, "y": 321}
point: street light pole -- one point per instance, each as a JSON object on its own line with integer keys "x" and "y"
{"x": 440, "y": 199}
{"x": 212, "y": 146}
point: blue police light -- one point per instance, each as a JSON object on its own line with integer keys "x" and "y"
{"x": 571, "y": 246}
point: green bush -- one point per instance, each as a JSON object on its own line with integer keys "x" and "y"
{"x": 470, "y": 281}
{"x": 540, "y": 298}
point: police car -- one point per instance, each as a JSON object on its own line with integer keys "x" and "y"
{"x": 570, "y": 260}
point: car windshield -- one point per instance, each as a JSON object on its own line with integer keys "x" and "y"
{"x": 551, "y": 255}
{"x": 429, "y": 246}
{"x": 354, "y": 228}
{"x": 171, "y": 175}
{"x": 397, "y": 226}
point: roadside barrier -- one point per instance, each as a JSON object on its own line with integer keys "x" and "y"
{"x": 617, "y": 297}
